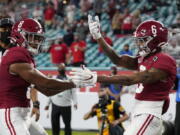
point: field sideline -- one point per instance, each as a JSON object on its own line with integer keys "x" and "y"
{"x": 76, "y": 133}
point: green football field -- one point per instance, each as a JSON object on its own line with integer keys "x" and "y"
{"x": 76, "y": 133}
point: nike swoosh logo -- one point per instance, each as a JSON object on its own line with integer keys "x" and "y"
{"x": 89, "y": 78}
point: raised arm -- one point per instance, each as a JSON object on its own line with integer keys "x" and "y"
{"x": 124, "y": 60}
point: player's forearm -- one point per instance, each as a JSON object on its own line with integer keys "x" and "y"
{"x": 48, "y": 92}
{"x": 145, "y": 77}
{"x": 33, "y": 95}
{"x": 125, "y": 61}
{"x": 45, "y": 83}
{"x": 56, "y": 85}
{"x": 108, "y": 50}
{"x": 118, "y": 79}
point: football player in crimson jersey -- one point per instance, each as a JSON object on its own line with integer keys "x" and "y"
{"x": 17, "y": 72}
{"x": 5, "y": 30}
{"x": 155, "y": 76}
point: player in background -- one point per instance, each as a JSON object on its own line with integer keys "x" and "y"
{"x": 5, "y": 30}
{"x": 18, "y": 72}
{"x": 155, "y": 76}
{"x": 33, "y": 116}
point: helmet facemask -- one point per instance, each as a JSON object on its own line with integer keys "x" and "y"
{"x": 34, "y": 42}
{"x": 142, "y": 44}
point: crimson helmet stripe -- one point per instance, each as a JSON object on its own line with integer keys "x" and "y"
{"x": 40, "y": 27}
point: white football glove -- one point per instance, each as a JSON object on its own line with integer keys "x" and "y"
{"x": 83, "y": 77}
{"x": 94, "y": 27}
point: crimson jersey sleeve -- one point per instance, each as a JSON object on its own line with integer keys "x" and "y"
{"x": 17, "y": 55}
{"x": 165, "y": 62}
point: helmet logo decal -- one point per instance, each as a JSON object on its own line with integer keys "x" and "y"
{"x": 20, "y": 25}
{"x": 155, "y": 58}
{"x": 143, "y": 32}
{"x": 154, "y": 30}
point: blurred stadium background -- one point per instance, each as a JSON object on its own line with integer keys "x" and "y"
{"x": 119, "y": 19}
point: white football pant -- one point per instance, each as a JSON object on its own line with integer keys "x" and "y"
{"x": 144, "y": 124}
{"x": 13, "y": 121}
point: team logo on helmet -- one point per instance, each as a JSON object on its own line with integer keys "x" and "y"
{"x": 143, "y": 32}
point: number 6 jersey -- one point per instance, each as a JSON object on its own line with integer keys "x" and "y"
{"x": 153, "y": 98}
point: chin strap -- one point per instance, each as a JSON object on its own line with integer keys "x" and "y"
{"x": 33, "y": 51}
{"x": 143, "y": 53}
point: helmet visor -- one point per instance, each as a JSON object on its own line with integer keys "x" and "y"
{"x": 142, "y": 42}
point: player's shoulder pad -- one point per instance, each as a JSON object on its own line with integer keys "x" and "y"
{"x": 17, "y": 54}
{"x": 18, "y": 49}
{"x": 163, "y": 56}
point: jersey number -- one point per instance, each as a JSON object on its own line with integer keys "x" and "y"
{"x": 140, "y": 87}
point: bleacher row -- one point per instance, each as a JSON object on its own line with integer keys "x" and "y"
{"x": 165, "y": 14}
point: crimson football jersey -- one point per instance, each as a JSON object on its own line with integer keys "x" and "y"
{"x": 159, "y": 90}
{"x": 12, "y": 87}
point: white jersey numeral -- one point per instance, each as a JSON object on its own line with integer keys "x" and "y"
{"x": 140, "y": 87}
